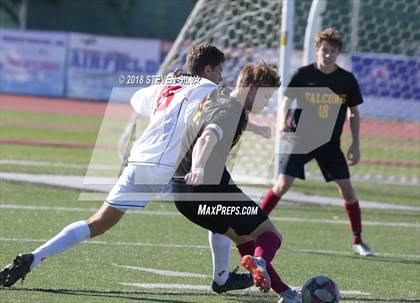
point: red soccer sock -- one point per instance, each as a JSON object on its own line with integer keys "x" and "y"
{"x": 246, "y": 248}
{"x": 269, "y": 201}
{"x": 266, "y": 246}
{"x": 276, "y": 282}
{"x": 355, "y": 217}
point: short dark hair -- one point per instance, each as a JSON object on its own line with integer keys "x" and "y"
{"x": 201, "y": 55}
{"x": 330, "y": 35}
{"x": 260, "y": 75}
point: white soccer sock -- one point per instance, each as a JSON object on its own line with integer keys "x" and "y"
{"x": 69, "y": 237}
{"x": 220, "y": 250}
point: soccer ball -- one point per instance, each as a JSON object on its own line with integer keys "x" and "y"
{"x": 320, "y": 289}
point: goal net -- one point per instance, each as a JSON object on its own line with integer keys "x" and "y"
{"x": 381, "y": 48}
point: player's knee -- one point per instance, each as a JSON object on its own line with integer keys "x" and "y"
{"x": 95, "y": 229}
{"x": 266, "y": 227}
{"x": 104, "y": 219}
{"x": 349, "y": 196}
{"x": 350, "y": 199}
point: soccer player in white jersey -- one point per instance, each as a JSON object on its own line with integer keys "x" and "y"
{"x": 150, "y": 167}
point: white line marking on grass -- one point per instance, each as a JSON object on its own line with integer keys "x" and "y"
{"x": 57, "y": 164}
{"x": 336, "y": 252}
{"x": 147, "y": 244}
{"x": 354, "y": 292}
{"x": 174, "y": 213}
{"x": 85, "y": 209}
{"x": 208, "y": 288}
{"x": 118, "y": 243}
{"x": 168, "y": 286}
{"x": 345, "y": 222}
{"x": 104, "y": 184}
{"x": 398, "y": 180}
{"x": 169, "y": 273}
{"x": 205, "y": 247}
{"x": 162, "y": 272}
{"x": 46, "y": 208}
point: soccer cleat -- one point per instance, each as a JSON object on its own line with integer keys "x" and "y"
{"x": 289, "y": 296}
{"x": 363, "y": 250}
{"x": 256, "y": 266}
{"x": 16, "y": 270}
{"x": 235, "y": 281}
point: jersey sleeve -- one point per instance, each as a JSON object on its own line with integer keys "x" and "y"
{"x": 224, "y": 122}
{"x": 355, "y": 96}
{"x": 195, "y": 95}
{"x": 143, "y": 99}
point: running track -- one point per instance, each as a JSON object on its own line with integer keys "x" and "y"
{"x": 72, "y": 107}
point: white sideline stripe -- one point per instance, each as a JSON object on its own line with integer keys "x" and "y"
{"x": 118, "y": 243}
{"x": 398, "y": 180}
{"x": 326, "y": 221}
{"x": 336, "y": 252}
{"x": 101, "y": 185}
{"x": 190, "y": 246}
{"x": 173, "y": 213}
{"x": 162, "y": 272}
{"x": 57, "y": 164}
{"x": 207, "y": 288}
{"x": 167, "y": 286}
{"x": 47, "y": 208}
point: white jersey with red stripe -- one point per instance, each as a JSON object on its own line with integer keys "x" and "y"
{"x": 169, "y": 108}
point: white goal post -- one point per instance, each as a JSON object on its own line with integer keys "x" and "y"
{"x": 381, "y": 46}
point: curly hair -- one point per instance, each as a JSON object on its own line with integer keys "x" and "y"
{"x": 260, "y": 75}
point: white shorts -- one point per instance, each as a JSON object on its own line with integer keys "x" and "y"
{"x": 138, "y": 184}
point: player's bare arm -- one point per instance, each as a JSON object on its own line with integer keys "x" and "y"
{"x": 261, "y": 130}
{"x": 353, "y": 153}
{"x": 283, "y": 109}
{"x": 200, "y": 155}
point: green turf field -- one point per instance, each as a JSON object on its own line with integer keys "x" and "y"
{"x": 131, "y": 263}
{"x": 107, "y": 269}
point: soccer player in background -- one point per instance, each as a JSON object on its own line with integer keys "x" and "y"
{"x": 150, "y": 167}
{"x": 331, "y": 160}
{"x": 201, "y": 180}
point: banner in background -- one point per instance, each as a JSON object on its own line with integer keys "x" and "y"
{"x": 96, "y": 64}
{"x": 32, "y": 62}
{"x": 390, "y": 85}
{"x": 387, "y": 75}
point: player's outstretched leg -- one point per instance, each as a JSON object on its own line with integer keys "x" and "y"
{"x": 352, "y": 208}
{"x": 223, "y": 280}
{"x": 70, "y": 236}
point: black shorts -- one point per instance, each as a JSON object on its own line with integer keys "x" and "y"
{"x": 329, "y": 157}
{"x": 205, "y": 214}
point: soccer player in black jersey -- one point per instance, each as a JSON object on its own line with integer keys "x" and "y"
{"x": 203, "y": 189}
{"x": 344, "y": 90}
